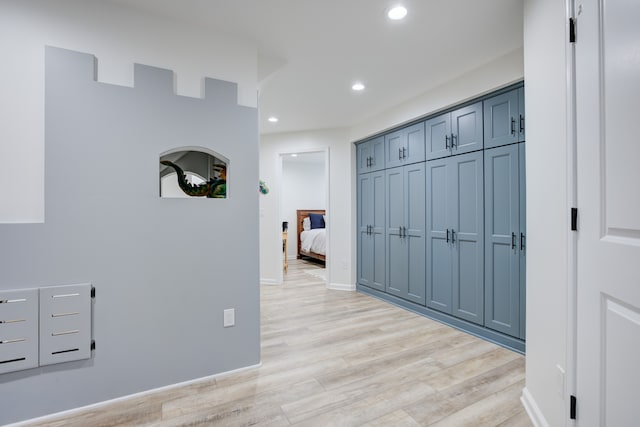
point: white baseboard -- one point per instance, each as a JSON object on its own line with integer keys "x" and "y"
{"x": 530, "y": 405}
{"x": 74, "y": 411}
{"x": 341, "y": 287}
{"x": 270, "y": 282}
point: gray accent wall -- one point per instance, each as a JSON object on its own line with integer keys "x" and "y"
{"x": 164, "y": 269}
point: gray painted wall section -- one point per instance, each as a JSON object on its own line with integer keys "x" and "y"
{"x": 164, "y": 269}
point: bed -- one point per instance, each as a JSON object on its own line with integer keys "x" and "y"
{"x": 312, "y": 235}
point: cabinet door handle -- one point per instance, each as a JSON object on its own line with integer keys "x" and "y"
{"x": 404, "y": 152}
{"x": 453, "y": 236}
{"x": 446, "y": 142}
{"x": 447, "y": 235}
{"x": 521, "y": 241}
{"x": 513, "y": 240}
{"x": 453, "y": 138}
{"x": 368, "y": 162}
{"x": 521, "y": 123}
{"x": 399, "y": 153}
{"x": 513, "y": 126}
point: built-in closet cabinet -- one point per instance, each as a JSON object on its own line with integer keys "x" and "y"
{"x": 505, "y": 237}
{"x": 441, "y": 219}
{"x": 404, "y": 146}
{"x": 456, "y": 132}
{"x": 504, "y": 119}
{"x": 370, "y": 155}
{"x": 405, "y": 227}
{"x": 371, "y": 231}
{"x": 455, "y": 228}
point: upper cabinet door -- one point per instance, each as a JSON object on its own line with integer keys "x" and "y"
{"x": 521, "y": 123}
{"x": 393, "y": 145}
{"x": 414, "y": 142}
{"x": 501, "y": 119}
{"x": 438, "y": 136}
{"x": 370, "y": 155}
{"x": 466, "y": 129}
{"x": 405, "y": 146}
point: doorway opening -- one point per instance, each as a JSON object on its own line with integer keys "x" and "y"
{"x": 304, "y": 211}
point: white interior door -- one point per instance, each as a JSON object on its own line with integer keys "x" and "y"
{"x": 608, "y": 254}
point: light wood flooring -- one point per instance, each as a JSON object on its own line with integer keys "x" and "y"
{"x": 333, "y": 358}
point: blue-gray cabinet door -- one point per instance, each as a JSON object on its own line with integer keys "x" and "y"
{"x": 365, "y": 242}
{"x": 405, "y": 146}
{"x": 370, "y": 155}
{"x": 467, "y": 236}
{"x": 438, "y": 136}
{"x": 523, "y": 240}
{"x": 414, "y": 233}
{"x": 397, "y": 282}
{"x": 466, "y": 129}
{"x": 371, "y": 236}
{"x": 439, "y": 253}
{"x": 521, "y": 123}
{"x": 405, "y": 211}
{"x": 501, "y": 119}
{"x": 502, "y": 228}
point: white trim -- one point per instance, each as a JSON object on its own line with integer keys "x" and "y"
{"x": 75, "y": 411}
{"x": 271, "y": 282}
{"x": 571, "y": 360}
{"x": 534, "y": 412}
{"x": 341, "y": 287}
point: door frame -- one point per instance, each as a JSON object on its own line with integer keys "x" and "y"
{"x": 571, "y": 362}
{"x": 281, "y": 155}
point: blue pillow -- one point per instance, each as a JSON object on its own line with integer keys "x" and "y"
{"x": 317, "y": 220}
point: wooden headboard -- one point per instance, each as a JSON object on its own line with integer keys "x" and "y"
{"x": 301, "y": 215}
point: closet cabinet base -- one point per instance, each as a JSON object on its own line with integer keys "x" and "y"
{"x": 498, "y": 338}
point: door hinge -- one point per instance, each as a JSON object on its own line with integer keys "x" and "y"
{"x": 574, "y": 219}
{"x": 572, "y": 30}
{"x": 93, "y": 292}
{"x": 572, "y": 410}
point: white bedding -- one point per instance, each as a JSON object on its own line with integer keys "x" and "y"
{"x": 314, "y": 241}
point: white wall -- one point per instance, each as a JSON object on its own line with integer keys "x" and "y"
{"x": 545, "y": 43}
{"x": 118, "y": 37}
{"x": 493, "y": 75}
{"x": 340, "y": 211}
{"x": 304, "y": 186}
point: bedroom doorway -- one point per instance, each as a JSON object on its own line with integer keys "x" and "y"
{"x": 305, "y": 188}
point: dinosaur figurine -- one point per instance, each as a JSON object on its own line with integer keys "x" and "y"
{"x": 214, "y": 188}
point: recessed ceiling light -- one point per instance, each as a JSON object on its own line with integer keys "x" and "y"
{"x": 397, "y": 13}
{"x": 357, "y": 86}
{"x": 294, "y": 155}
{"x": 273, "y": 119}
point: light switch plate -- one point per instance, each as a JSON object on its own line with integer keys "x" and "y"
{"x": 229, "y": 317}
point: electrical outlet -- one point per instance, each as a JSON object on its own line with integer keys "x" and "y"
{"x": 229, "y": 317}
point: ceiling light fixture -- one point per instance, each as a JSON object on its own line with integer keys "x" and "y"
{"x": 294, "y": 155}
{"x": 397, "y": 13}
{"x": 273, "y": 119}
{"x": 357, "y": 86}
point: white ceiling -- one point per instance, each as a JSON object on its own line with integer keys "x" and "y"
{"x": 311, "y": 51}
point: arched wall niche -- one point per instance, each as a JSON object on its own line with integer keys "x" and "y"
{"x": 193, "y": 172}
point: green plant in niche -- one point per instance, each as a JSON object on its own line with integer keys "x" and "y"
{"x": 213, "y": 188}
{"x": 263, "y": 187}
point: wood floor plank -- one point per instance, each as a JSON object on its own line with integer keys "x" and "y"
{"x": 333, "y": 358}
